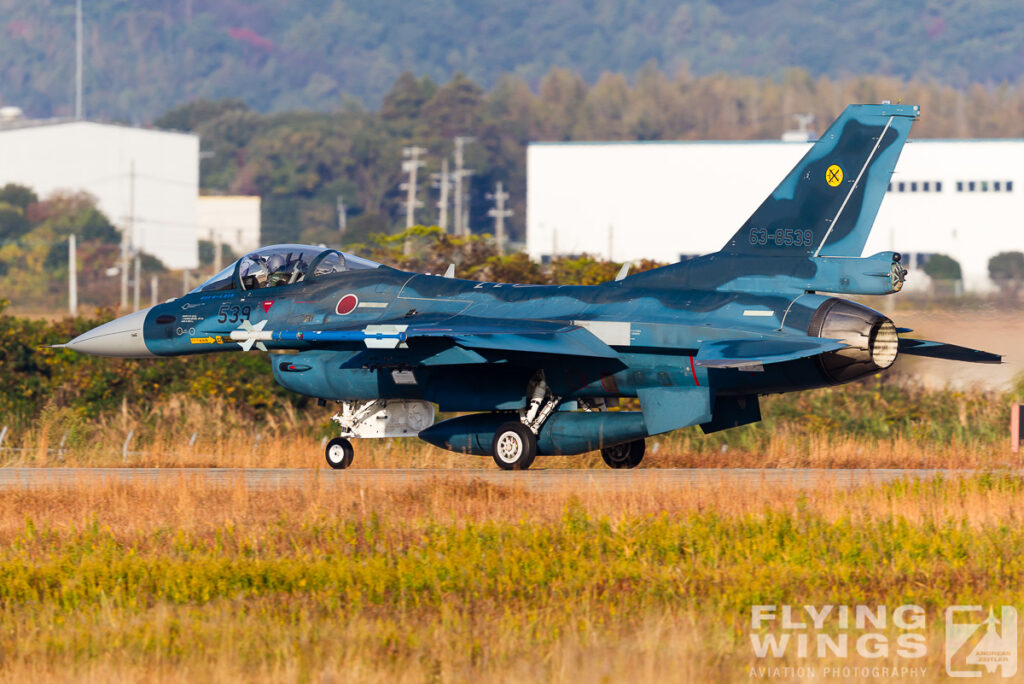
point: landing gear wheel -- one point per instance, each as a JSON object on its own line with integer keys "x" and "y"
{"x": 339, "y": 453}
{"x": 514, "y": 446}
{"x": 626, "y": 455}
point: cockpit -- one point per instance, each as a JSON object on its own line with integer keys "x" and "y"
{"x": 279, "y": 265}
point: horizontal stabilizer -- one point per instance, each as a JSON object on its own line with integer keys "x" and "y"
{"x": 752, "y": 354}
{"x": 950, "y": 352}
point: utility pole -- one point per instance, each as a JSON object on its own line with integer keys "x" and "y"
{"x": 443, "y": 181}
{"x": 154, "y": 283}
{"x": 461, "y": 224}
{"x": 342, "y": 216}
{"x": 138, "y": 279}
{"x": 499, "y": 213}
{"x": 411, "y": 166}
{"x": 72, "y": 276}
{"x": 128, "y": 237}
{"x": 217, "y": 253}
{"x": 79, "y": 113}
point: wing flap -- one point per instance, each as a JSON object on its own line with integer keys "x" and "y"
{"x": 949, "y": 352}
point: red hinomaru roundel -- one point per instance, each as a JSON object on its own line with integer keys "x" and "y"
{"x": 347, "y": 304}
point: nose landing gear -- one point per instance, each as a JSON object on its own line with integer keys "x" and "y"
{"x": 339, "y": 453}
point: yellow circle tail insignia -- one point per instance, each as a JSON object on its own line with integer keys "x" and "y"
{"x": 834, "y": 175}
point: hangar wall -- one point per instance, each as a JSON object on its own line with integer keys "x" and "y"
{"x": 98, "y": 158}
{"x": 670, "y": 200}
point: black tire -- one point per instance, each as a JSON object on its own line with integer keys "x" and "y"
{"x": 514, "y": 446}
{"x": 339, "y": 453}
{"x": 626, "y": 455}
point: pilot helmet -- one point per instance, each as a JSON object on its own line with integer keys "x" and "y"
{"x": 276, "y": 263}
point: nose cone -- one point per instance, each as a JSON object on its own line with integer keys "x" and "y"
{"x": 120, "y": 337}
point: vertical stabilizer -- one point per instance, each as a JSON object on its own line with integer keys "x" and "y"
{"x": 827, "y": 204}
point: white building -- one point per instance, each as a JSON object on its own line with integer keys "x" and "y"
{"x": 232, "y": 220}
{"x": 669, "y": 200}
{"x": 146, "y": 181}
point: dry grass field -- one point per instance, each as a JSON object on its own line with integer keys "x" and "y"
{"x": 451, "y": 581}
{"x": 894, "y": 425}
{"x": 455, "y": 581}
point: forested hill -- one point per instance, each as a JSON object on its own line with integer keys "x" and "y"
{"x": 144, "y": 58}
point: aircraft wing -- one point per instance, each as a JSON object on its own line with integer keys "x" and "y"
{"x": 950, "y": 352}
{"x": 753, "y": 354}
{"x": 536, "y": 337}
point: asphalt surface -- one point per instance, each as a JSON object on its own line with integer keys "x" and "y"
{"x": 533, "y": 480}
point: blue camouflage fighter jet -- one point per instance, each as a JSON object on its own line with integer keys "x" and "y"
{"x": 535, "y": 368}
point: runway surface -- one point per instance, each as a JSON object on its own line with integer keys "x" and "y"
{"x": 532, "y": 480}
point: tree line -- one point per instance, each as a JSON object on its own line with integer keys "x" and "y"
{"x": 302, "y": 162}
{"x": 142, "y": 58}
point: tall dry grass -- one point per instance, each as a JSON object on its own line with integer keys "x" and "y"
{"x": 183, "y": 432}
{"x": 454, "y": 579}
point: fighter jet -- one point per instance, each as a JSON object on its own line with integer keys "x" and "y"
{"x": 540, "y": 369}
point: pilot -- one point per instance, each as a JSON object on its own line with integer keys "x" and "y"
{"x": 280, "y": 270}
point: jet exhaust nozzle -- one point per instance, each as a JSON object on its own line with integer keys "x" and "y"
{"x": 874, "y": 343}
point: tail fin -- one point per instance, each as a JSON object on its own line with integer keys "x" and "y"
{"x": 826, "y": 205}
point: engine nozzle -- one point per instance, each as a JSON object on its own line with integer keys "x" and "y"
{"x": 872, "y": 337}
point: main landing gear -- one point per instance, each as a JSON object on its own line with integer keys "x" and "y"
{"x": 515, "y": 443}
{"x": 626, "y": 455}
{"x": 514, "y": 446}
